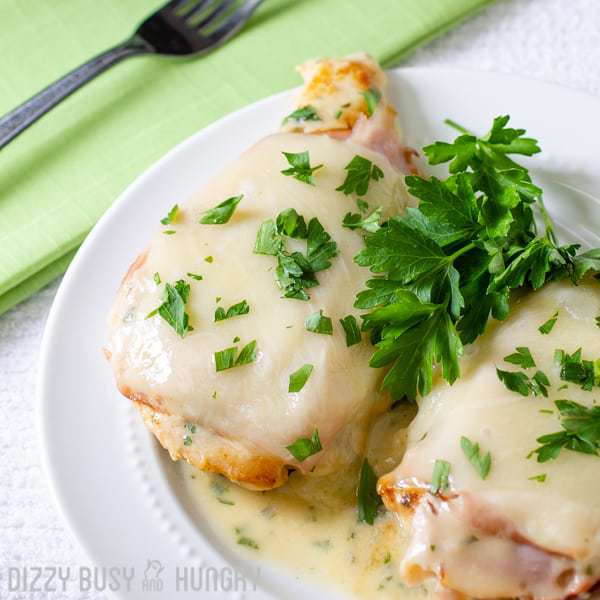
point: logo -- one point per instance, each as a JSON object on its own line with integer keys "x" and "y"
{"x": 152, "y": 580}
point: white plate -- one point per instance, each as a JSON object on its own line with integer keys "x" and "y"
{"x": 117, "y": 490}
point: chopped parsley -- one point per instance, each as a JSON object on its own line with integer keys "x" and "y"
{"x": 539, "y": 478}
{"x": 299, "y": 378}
{"x": 195, "y": 276}
{"x": 547, "y": 327}
{"x": 221, "y": 213}
{"x": 295, "y": 271}
{"x": 368, "y": 498}
{"x": 248, "y": 542}
{"x": 300, "y": 167}
{"x": 519, "y": 382}
{"x": 372, "y": 97}
{"x": 241, "y": 308}
{"x": 236, "y": 339}
{"x": 169, "y": 232}
{"x": 482, "y": 464}
{"x": 357, "y": 221}
{"x": 208, "y": 259}
{"x": 598, "y": 321}
{"x": 441, "y": 270}
{"x": 302, "y": 448}
{"x": 574, "y": 369}
{"x": 229, "y": 358}
{"x": 187, "y": 440}
{"x": 362, "y": 205}
{"x": 171, "y": 216}
{"x": 360, "y": 172}
{"x": 319, "y": 323}
{"x": 580, "y": 431}
{"x": 351, "y": 330}
{"x": 522, "y": 357}
{"x": 304, "y": 113}
{"x": 172, "y": 310}
{"x": 439, "y": 478}
{"x": 156, "y": 278}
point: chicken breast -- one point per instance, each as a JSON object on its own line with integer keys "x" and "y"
{"x": 239, "y": 421}
{"x": 527, "y": 528}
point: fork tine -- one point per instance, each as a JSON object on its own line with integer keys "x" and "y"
{"x": 194, "y": 7}
{"x": 173, "y": 5}
{"x": 215, "y": 14}
{"x": 235, "y": 21}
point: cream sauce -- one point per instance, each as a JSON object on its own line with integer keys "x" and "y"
{"x": 319, "y": 515}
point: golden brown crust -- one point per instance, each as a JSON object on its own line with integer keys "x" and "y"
{"x": 212, "y": 452}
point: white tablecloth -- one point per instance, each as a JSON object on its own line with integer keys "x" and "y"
{"x": 551, "y": 40}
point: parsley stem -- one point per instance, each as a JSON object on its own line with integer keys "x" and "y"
{"x": 547, "y": 221}
{"x": 456, "y": 126}
{"x": 461, "y": 251}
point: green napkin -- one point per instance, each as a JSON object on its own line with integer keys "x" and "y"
{"x": 63, "y": 173}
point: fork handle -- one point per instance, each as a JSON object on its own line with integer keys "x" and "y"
{"x": 16, "y": 121}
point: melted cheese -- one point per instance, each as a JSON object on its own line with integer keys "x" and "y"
{"x": 522, "y": 528}
{"x": 251, "y": 404}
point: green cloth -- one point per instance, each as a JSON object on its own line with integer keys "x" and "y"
{"x": 58, "y": 177}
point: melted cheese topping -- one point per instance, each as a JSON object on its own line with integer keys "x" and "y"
{"x": 251, "y": 404}
{"x": 541, "y": 538}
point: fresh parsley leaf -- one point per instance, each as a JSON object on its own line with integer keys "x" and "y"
{"x": 195, "y": 276}
{"x": 304, "y": 113}
{"x": 226, "y": 359}
{"x": 187, "y": 440}
{"x": 362, "y": 205}
{"x": 547, "y": 327}
{"x": 368, "y": 498}
{"x": 172, "y": 310}
{"x": 357, "y": 221}
{"x": 574, "y": 369}
{"x": 300, "y": 167}
{"x": 156, "y": 278}
{"x": 268, "y": 240}
{"x": 481, "y": 463}
{"x": 439, "y": 479}
{"x": 351, "y": 330}
{"x": 171, "y": 216}
{"x": 208, "y": 259}
{"x": 319, "y": 323}
{"x": 521, "y": 357}
{"x": 299, "y": 378}
{"x": 360, "y": 172}
{"x": 539, "y": 478}
{"x": 241, "y": 308}
{"x": 169, "y": 232}
{"x": 291, "y": 224}
{"x": 514, "y": 381}
{"x": 598, "y": 321}
{"x": 372, "y": 97}
{"x": 580, "y": 433}
{"x": 539, "y": 384}
{"x": 302, "y": 448}
{"x": 221, "y": 213}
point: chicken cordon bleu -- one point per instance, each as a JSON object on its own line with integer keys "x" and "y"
{"x": 234, "y": 332}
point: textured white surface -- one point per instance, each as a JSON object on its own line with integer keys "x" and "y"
{"x": 552, "y": 40}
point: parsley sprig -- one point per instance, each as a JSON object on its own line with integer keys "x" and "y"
{"x": 442, "y": 269}
{"x": 172, "y": 310}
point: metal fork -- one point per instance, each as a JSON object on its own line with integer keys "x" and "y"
{"x": 180, "y": 28}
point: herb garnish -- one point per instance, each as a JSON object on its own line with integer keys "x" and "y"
{"x": 439, "y": 478}
{"x": 481, "y": 463}
{"x": 319, "y": 323}
{"x": 521, "y": 357}
{"x": 539, "y": 478}
{"x": 443, "y": 268}
{"x": 300, "y": 167}
{"x": 519, "y": 382}
{"x": 299, "y": 378}
{"x": 241, "y": 308}
{"x": 172, "y": 310}
{"x": 169, "y": 232}
{"x": 302, "y": 448}
{"x": 360, "y": 172}
{"x": 295, "y": 271}
{"x": 368, "y": 498}
{"x": 581, "y": 431}
{"x": 156, "y": 278}
{"x": 221, "y": 213}
{"x": 248, "y": 542}
{"x": 547, "y": 327}
{"x": 585, "y": 373}
{"x": 372, "y": 97}
{"x": 357, "y": 221}
{"x": 304, "y": 113}
{"x": 226, "y": 359}
{"x": 351, "y": 330}
{"x": 171, "y": 216}
{"x": 195, "y": 276}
